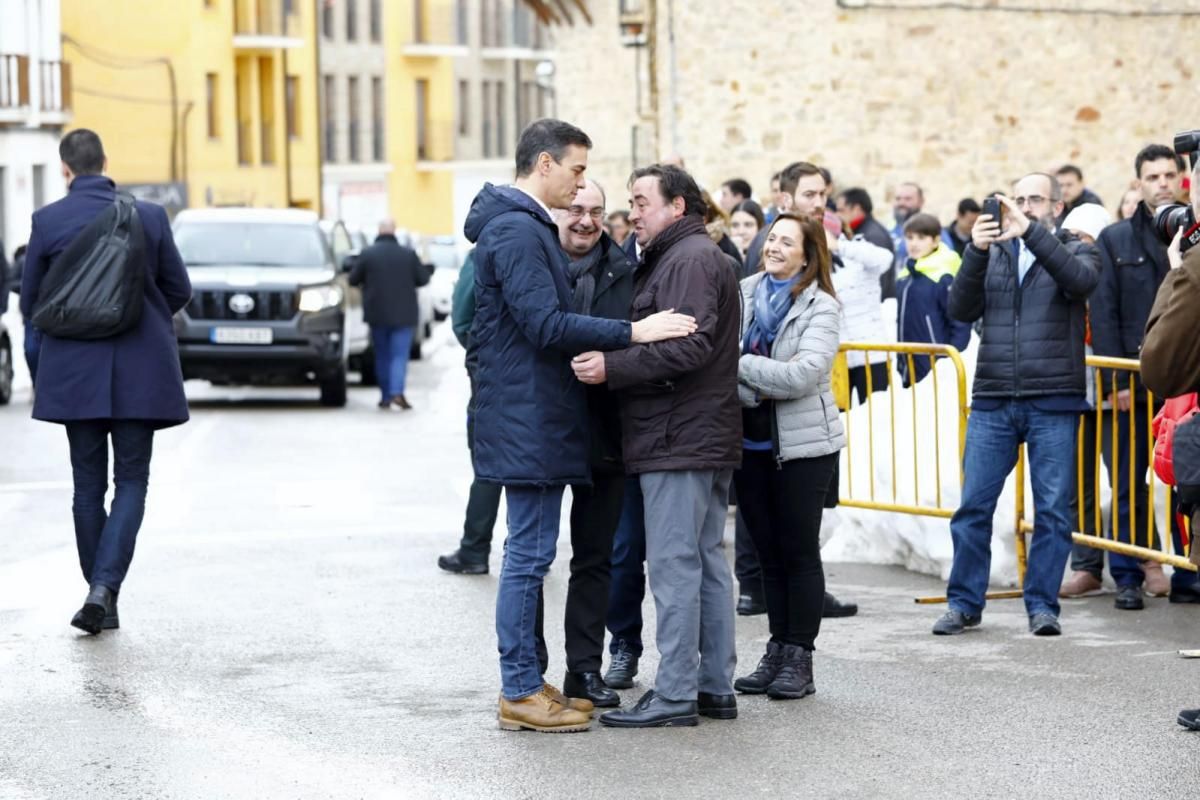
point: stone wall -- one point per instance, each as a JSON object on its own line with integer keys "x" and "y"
{"x": 963, "y": 101}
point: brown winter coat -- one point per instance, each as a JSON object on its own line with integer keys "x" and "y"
{"x": 679, "y": 401}
{"x": 1171, "y": 349}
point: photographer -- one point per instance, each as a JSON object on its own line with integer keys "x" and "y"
{"x": 1171, "y": 350}
{"x": 1133, "y": 265}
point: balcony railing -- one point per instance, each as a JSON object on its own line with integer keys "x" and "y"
{"x": 264, "y": 18}
{"x": 436, "y": 26}
{"x": 55, "y": 83}
{"x": 14, "y": 81}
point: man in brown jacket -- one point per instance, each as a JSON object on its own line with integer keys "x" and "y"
{"x": 1171, "y": 350}
{"x": 682, "y": 435}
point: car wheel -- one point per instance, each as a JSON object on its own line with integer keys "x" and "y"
{"x": 333, "y": 390}
{"x": 6, "y": 372}
{"x": 414, "y": 352}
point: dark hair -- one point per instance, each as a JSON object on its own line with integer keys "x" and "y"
{"x": 789, "y": 179}
{"x": 552, "y": 136}
{"x": 623, "y": 213}
{"x": 923, "y": 225}
{"x": 674, "y": 182}
{"x": 776, "y": 176}
{"x": 818, "y": 263}
{"x": 739, "y": 186}
{"x": 858, "y": 196}
{"x": 753, "y": 209}
{"x": 1154, "y": 152}
{"x": 968, "y": 206}
{"x": 1070, "y": 169}
{"x": 827, "y": 175}
{"x": 82, "y": 152}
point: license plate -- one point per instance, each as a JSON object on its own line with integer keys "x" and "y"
{"x": 242, "y": 335}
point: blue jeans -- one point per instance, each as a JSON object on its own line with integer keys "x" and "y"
{"x": 392, "y": 346}
{"x": 533, "y": 520}
{"x": 993, "y": 439}
{"x": 105, "y": 540}
{"x": 33, "y": 348}
{"x": 628, "y": 583}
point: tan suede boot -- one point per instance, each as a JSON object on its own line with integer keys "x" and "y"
{"x": 540, "y": 712}
{"x": 576, "y": 703}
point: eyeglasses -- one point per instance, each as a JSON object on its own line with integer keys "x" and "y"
{"x": 575, "y": 212}
{"x": 1033, "y": 200}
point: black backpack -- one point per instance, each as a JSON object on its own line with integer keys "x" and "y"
{"x": 94, "y": 289}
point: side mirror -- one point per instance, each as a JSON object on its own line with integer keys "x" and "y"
{"x": 349, "y": 261}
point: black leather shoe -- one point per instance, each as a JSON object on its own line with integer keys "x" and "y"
{"x": 954, "y": 622}
{"x": 836, "y": 608}
{"x": 1190, "y": 718}
{"x": 623, "y": 667}
{"x": 90, "y": 618}
{"x": 459, "y": 564}
{"x": 717, "y": 706}
{"x": 111, "y": 620}
{"x": 590, "y": 686}
{"x": 768, "y": 667}
{"x": 751, "y": 602}
{"x": 653, "y": 711}
{"x": 1185, "y": 594}
{"x": 1129, "y": 598}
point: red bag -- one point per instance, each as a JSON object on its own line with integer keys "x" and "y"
{"x": 1174, "y": 413}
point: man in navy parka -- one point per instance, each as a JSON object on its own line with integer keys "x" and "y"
{"x": 531, "y": 431}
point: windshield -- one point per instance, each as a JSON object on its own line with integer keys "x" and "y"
{"x": 204, "y": 244}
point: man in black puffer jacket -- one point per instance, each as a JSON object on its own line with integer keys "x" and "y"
{"x": 1031, "y": 289}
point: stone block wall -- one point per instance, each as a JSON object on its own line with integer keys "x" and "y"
{"x": 961, "y": 100}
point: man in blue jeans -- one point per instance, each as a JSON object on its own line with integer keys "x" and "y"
{"x": 1030, "y": 287}
{"x": 121, "y": 388}
{"x": 531, "y": 421}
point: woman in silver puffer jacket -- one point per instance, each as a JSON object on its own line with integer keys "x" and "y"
{"x": 793, "y": 435}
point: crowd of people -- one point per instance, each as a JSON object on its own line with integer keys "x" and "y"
{"x": 669, "y": 360}
{"x": 678, "y": 355}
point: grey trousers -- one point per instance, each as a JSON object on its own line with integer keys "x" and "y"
{"x": 691, "y": 581}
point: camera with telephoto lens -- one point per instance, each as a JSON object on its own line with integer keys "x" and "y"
{"x": 1175, "y": 217}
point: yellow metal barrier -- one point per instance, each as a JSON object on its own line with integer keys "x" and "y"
{"x": 841, "y": 385}
{"x": 1164, "y": 548}
{"x": 1146, "y": 546}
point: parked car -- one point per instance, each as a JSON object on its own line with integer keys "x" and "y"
{"x": 344, "y": 240}
{"x": 442, "y": 252}
{"x": 270, "y": 304}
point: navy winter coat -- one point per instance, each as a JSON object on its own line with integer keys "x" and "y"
{"x": 1032, "y": 340}
{"x": 136, "y": 374}
{"x": 389, "y": 274}
{"x": 1133, "y": 264}
{"x": 924, "y": 292}
{"x": 531, "y": 413}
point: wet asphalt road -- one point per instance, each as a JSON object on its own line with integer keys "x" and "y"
{"x": 287, "y": 635}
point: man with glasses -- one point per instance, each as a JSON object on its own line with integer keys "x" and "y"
{"x": 1134, "y": 264}
{"x": 1030, "y": 287}
{"x": 601, "y": 280}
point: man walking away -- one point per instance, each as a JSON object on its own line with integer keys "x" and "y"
{"x": 682, "y": 434}
{"x": 119, "y": 389}
{"x": 531, "y": 414}
{"x": 389, "y": 274}
{"x": 1030, "y": 288}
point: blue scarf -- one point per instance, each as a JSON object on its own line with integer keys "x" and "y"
{"x": 772, "y": 301}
